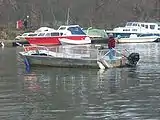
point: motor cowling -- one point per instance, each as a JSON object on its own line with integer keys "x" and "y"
{"x": 133, "y": 58}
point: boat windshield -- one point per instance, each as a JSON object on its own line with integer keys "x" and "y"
{"x": 145, "y": 35}
{"x": 41, "y": 34}
{"x": 25, "y": 34}
{"x": 34, "y": 34}
{"x": 76, "y": 31}
{"x": 62, "y": 28}
{"x": 129, "y": 24}
{"x": 56, "y": 34}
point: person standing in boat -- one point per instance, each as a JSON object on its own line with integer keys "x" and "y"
{"x": 111, "y": 46}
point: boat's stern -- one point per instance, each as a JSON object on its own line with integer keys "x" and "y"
{"x": 133, "y": 59}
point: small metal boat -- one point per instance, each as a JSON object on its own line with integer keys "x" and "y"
{"x": 76, "y": 56}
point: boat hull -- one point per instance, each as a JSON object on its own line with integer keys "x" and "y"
{"x": 40, "y": 60}
{"x": 51, "y": 40}
{"x": 137, "y": 40}
{"x": 65, "y": 41}
{"x": 61, "y": 62}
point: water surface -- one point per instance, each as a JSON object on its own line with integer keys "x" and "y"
{"x": 81, "y": 94}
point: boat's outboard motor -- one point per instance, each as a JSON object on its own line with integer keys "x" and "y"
{"x": 133, "y": 58}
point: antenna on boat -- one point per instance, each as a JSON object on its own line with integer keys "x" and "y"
{"x": 68, "y": 11}
{"x": 157, "y": 8}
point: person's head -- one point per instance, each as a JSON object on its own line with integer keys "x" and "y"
{"x": 110, "y": 35}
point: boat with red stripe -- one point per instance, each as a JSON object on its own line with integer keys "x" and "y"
{"x": 69, "y": 32}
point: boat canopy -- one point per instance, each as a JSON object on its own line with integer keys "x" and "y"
{"x": 74, "y": 29}
{"x": 93, "y": 32}
{"x": 44, "y": 29}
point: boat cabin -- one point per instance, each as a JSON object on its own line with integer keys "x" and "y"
{"x": 139, "y": 27}
{"x": 61, "y": 31}
{"x": 25, "y": 35}
{"x": 49, "y": 34}
{"x": 135, "y": 28}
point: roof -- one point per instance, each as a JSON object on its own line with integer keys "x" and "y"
{"x": 42, "y": 29}
{"x": 96, "y": 32}
{"x": 67, "y": 26}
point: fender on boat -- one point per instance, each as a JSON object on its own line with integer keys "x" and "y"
{"x": 101, "y": 66}
{"x": 27, "y": 64}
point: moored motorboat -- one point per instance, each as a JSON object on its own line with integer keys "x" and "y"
{"x": 137, "y": 28}
{"x": 69, "y": 32}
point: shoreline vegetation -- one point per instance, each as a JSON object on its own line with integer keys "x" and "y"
{"x": 105, "y": 14}
{"x": 9, "y": 33}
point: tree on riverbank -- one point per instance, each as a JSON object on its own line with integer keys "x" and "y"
{"x": 96, "y": 13}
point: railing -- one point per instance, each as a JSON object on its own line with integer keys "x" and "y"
{"x": 34, "y": 47}
{"x": 105, "y": 53}
{"x": 76, "y": 52}
{"x": 84, "y": 52}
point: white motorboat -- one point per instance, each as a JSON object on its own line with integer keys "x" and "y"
{"x": 137, "y": 28}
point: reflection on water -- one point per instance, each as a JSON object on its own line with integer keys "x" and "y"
{"x": 74, "y": 93}
{"x": 47, "y": 93}
{"x": 97, "y": 78}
